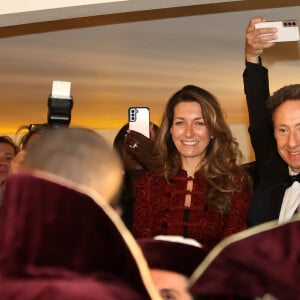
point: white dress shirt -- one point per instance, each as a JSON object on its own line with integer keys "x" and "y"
{"x": 291, "y": 201}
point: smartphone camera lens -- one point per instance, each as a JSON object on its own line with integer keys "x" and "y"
{"x": 289, "y": 23}
{"x": 132, "y": 114}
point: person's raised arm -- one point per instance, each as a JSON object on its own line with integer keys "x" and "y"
{"x": 256, "y": 86}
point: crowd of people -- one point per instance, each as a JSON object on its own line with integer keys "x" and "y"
{"x": 173, "y": 216}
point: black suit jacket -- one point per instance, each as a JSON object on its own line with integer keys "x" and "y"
{"x": 272, "y": 170}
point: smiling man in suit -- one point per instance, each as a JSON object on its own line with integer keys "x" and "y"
{"x": 276, "y": 142}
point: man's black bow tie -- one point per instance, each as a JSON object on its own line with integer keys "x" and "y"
{"x": 291, "y": 179}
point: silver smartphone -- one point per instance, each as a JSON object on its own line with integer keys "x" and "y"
{"x": 139, "y": 120}
{"x": 288, "y": 30}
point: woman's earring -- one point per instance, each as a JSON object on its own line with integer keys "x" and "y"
{"x": 212, "y": 137}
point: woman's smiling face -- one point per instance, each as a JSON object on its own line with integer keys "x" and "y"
{"x": 189, "y": 131}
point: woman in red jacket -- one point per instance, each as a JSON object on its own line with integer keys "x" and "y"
{"x": 200, "y": 191}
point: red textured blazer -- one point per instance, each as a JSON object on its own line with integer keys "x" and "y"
{"x": 159, "y": 209}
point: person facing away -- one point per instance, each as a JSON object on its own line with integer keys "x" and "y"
{"x": 274, "y": 131}
{"x": 201, "y": 191}
{"x": 60, "y": 238}
{"x": 172, "y": 260}
{"x": 136, "y": 152}
{"x": 8, "y": 150}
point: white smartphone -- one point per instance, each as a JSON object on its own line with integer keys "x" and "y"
{"x": 139, "y": 120}
{"x": 288, "y": 30}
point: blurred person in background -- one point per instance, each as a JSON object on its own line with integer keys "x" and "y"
{"x": 136, "y": 152}
{"x": 172, "y": 260}
{"x": 8, "y": 150}
{"x": 27, "y": 133}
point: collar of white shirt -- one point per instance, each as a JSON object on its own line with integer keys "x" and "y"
{"x": 291, "y": 201}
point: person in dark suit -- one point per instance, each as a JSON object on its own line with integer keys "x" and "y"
{"x": 276, "y": 142}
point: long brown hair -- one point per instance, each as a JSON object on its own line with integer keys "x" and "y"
{"x": 222, "y": 164}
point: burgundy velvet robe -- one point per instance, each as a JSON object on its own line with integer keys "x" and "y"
{"x": 57, "y": 243}
{"x": 263, "y": 259}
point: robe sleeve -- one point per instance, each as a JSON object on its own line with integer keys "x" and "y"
{"x": 144, "y": 212}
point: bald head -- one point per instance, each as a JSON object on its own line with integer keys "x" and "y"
{"x": 77, "y": 154}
